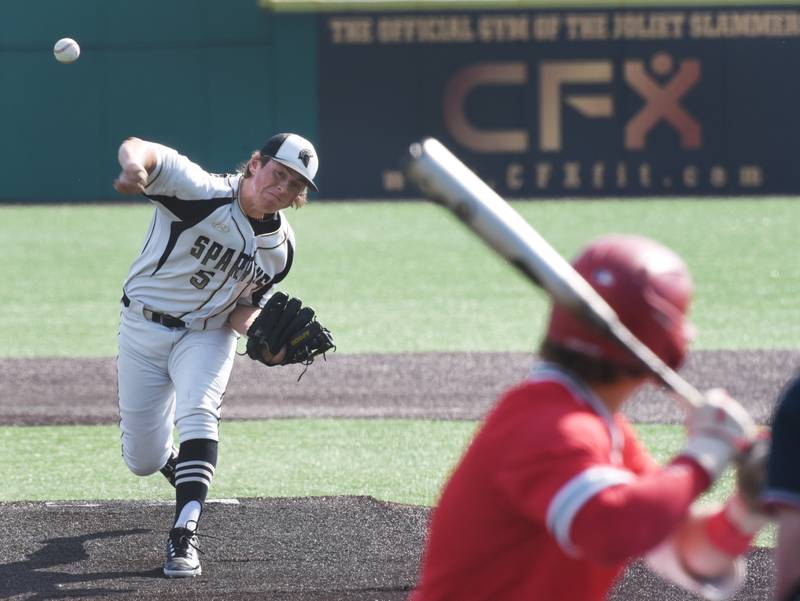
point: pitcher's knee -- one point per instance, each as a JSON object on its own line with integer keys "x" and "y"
{"x": 144, "y": 465}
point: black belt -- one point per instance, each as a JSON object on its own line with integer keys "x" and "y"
{"x": 165, "y": 320}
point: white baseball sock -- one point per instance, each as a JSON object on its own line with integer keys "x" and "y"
{"x": 189, "y": 513}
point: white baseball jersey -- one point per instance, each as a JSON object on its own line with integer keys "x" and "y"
{"x": 202, "y": 255}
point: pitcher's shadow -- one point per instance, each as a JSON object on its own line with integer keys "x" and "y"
{"x": 34, "y": 576}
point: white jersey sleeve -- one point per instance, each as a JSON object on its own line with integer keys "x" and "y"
{"x": 176, "y": 176}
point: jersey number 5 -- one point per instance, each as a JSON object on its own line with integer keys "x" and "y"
{"x": 201, "y": 278}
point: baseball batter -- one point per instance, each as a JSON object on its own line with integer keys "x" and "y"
{"x": 556, "y": 493}
{"x": 215, "y": 248}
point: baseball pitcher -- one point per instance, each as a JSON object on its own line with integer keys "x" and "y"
{"x": 215, "y": 249}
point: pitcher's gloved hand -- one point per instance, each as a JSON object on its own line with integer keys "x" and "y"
{"x": 286, "y": 332}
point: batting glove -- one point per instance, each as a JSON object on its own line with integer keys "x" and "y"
{"x": 720, "y": 430}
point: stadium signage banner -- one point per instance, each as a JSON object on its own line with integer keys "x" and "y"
{"x": 616, "y": 102}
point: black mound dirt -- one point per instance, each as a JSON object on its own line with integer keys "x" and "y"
{"x": 296, "y": 549}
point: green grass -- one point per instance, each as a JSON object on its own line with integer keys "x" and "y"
{"x": 408, "y": 269}
{"x": 404, "y": 461}
{"x": 397, "y": 460}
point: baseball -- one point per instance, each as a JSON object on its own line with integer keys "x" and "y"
{"x": 66, "y": 50}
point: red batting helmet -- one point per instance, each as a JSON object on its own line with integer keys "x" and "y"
{"x": 647, "y": 285}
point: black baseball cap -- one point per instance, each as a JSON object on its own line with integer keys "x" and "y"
{"x": 296, "y": 153}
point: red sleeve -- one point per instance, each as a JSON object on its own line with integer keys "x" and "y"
{"x": 725, "y": 536}
{"x": 560, "y": 467}
{"x": 630, "y": 519}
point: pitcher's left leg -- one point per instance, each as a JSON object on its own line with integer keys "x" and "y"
{"x": 200, "y": 367}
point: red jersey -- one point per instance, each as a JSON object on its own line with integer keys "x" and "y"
{"x": 547, "y": 500}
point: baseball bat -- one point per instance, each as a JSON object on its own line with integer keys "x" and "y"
{"x": 444, "y": 179}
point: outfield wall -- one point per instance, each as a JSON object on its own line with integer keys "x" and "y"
{"x": 212, "y": 77}
{"x": 542, "y": 100}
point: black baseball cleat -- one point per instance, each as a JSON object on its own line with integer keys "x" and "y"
{"x": 169, "y": 467}
{"x": 182, "y": 554}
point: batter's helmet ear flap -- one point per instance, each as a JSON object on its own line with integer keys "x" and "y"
{"x": 648, "y": 286}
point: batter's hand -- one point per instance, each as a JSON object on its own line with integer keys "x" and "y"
{"x": 131, "y": 180}
{"x": 720, "y": 431}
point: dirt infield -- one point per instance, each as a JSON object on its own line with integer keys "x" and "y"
{"x": 306, "y": 549}
{"x": 414, "y": 385}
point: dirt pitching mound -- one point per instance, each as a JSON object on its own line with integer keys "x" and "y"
{"x": 304, "y": 548}
{"x": 294, "y": 549}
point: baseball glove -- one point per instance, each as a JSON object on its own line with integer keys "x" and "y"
{"x": 285, "y": 322}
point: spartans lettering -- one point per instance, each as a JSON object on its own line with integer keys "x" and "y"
{"x": 215, "y": 258}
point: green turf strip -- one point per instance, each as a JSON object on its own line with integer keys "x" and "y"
{"x": 404, "y": 461}
{"x": 399, "y": 460}
{"x": 400, "y": 277}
